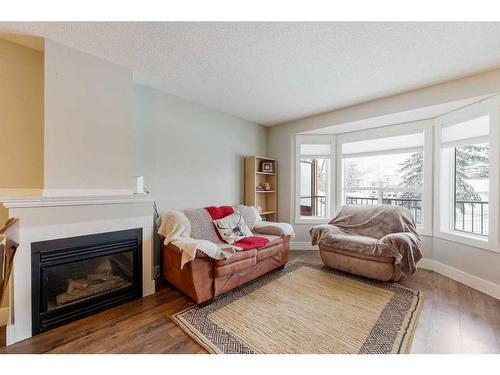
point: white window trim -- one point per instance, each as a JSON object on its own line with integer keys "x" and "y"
{"x": 330, "y": 209}
{"x": 489, "y": 107}
{"x": 425, "y": 126}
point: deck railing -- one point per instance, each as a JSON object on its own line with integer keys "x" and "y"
{"x": 471, "y": 217}
{"x": 414, "y": 205}
{"x": 313, "y": 205}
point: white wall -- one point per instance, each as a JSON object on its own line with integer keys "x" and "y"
{"x": 191, "y": 156}
{"x": 88, "y": 124}
{"x": 477, "y": 262}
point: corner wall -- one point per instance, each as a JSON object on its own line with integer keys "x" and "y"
{"x": 21, "y": 119}
{"x": 191, "y": 156}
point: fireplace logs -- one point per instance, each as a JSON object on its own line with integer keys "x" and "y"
{"x": 93, "y": 285}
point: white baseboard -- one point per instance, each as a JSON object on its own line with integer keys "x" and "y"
{"x": 426, "y": 264}
{"x": 484, "y": 286}
{"x": 296, "y": 245}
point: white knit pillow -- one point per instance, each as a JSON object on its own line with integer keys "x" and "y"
{"x": 232, "y": 228}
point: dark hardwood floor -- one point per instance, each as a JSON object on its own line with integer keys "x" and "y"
{"x": 454, "y": 319}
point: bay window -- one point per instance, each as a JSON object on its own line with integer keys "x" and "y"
{"x": 385, "y": 166}
{"x": 444, "y": 170}
{"x": 466, "y": 171}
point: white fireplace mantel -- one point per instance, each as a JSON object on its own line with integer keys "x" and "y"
{"x": 49, "y": 201}
{"x": 46, "y": 217}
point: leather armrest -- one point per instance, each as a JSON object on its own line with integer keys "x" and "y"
{"x": 268, "y": 227}
{"x": 172, "y": 247}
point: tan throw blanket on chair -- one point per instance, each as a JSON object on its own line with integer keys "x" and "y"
{"x": 176, "y": 229}
{"x": 378, "y": 230}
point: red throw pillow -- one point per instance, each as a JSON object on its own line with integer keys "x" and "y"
{"x": 217, "y": 213}
{"x": 253, "y": 242}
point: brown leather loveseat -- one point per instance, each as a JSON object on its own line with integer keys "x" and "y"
{"x": 205, "y": 278}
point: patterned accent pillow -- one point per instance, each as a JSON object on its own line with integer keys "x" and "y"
{"x": 232, "y": 228}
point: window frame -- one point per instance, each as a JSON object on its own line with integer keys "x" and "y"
{"x": 424, "y": 126}
{"x": 444, "y": 175}
{"x": 313, "y": 139}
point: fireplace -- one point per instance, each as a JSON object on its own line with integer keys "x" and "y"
{"x": 79, "y": 276}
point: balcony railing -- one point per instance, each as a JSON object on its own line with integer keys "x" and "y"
{"x": 414, "y": 205}
{"x": 313, "y": 205}
{"x": 471, "y": 217}
{"x": 359, "y": 200}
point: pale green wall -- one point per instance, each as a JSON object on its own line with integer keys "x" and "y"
{"x": 190, "y": 155}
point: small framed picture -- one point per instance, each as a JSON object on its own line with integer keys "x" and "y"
{"x": 267, "y": 166}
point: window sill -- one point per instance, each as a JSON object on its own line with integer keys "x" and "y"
{"x": 315, "y": 220}
{"x": 424, "y": 232}
{"x": 466, "y": 239}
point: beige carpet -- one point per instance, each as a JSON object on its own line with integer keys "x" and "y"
{"x": 307, "y": 309}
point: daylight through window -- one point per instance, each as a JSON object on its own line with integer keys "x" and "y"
{"x": 385, "y": 171}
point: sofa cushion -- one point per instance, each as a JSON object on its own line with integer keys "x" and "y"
{"x": 269, "y": 251}
{"x": 273, "y": 240}
{"x": 236, "y": 257}
{"x": 232, "y": 228}
{"x": 238, "y": 262}
{"x": 356, "y": 254}
{"x": 249, "y": 214}
{"x": 235, "y": 267}
{"x": 202, "y": 227}
{"x": 352, "y": 242}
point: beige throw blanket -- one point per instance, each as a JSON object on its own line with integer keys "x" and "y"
{"x": 176, "y": 229}
{"x": 379, "y": 230}
{"x": 276, "y": 229}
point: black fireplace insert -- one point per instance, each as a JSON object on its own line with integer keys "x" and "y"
{"x": 75, "y": 277}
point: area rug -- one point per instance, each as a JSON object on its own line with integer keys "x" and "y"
{"x": 308, "y": 309}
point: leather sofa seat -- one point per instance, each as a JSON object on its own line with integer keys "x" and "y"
{"x": 358, "y": 255}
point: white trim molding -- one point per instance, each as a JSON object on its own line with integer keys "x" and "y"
{"x": 25, "y": 202}
{"x": 484, "y": 286}
{"x": 300, "y": 139}
{"x": 86, "y": 192}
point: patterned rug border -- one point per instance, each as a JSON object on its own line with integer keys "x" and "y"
{"x": 406, "y": 339}
{"x": 410, "y": 329}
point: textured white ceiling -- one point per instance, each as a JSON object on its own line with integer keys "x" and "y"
{"x": 270, "y": 73}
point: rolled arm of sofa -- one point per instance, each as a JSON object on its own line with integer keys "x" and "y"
{"x": 195, "y": 278}
{"x": 323, "y": 232}
{"x": 273, "y": 228}
{"x": 408, "y": 249}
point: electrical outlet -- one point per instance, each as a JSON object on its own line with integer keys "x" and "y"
{"x": 156, "y": 272}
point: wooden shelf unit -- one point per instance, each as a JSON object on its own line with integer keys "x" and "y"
{"x": 254, "y": 176}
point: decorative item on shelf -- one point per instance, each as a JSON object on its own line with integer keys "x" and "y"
{"x": 261, "y": 185}
{"x": 267, "y": 166}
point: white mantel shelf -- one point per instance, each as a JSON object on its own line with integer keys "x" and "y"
{"x": 40, "y": 201}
